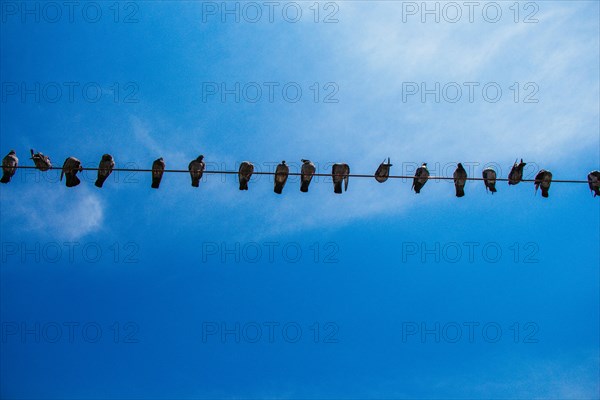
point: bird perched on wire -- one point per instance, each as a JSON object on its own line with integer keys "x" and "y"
{"x": 196, "y": 168}
{"x": 281, "y": 175}
{"x": 306, "y": 174}
{"x": 383, "y": 171}
{"x": 9, "y": 166}
{"x": 104, "y": 169}
{"x": 340, "y": 172}
{"x": 41, "y": 161}
{"x": 70, "y": 168}
{"x": 516, "y": 172}
{"x": 489, "y": 179}
{"x": 245, "y": 173}
{"x": 460, "y": 179}
{"x": 594, "y": 182}
{"x": 421, "y": 176}
{"x": 158, "y": 169}
{"x": 543, "y": 179}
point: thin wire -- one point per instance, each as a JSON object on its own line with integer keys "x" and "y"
{"x": 299, "y": 174}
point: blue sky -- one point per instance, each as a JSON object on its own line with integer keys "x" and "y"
{"x": 149, "y": 281}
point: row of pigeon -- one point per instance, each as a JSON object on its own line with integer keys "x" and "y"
{"x": 340, "y": 174}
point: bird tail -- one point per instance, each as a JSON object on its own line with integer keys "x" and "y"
{"x": 72, "y": 180}
{"x": 460, "y": 191}
{"x": 278, "y": 188}
{"x": 338, "y": 188}
{"x": 493, "y": 188}
{"x": 100, "y": 181}
{"x": 5, "y": 178}
{"x": 544, "y": 192}
{"x": 304, "y": 186}
{"x": 417, "y": 189}
{"x": 155, "y": 183}
{"x": 195, "y": 182}
{"x": 596, "y": 192}
{"x": 243, "y": 184}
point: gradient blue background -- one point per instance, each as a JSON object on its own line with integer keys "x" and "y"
{"x": 374, "y": 287}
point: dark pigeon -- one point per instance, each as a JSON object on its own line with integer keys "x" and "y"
{"x": 543, "y": 179}
{"x": 70, "y": 168}
{"x": 281, "y": 175}
{"x": 9, "y": 166}
{"x": 340, "y": 172}
{"x": 516, "y": 173}
{"x": 594, "y": 182}
{"x": 421, "y": 176}
{"x": 104, "y": 169}
{"x": 196, "y": 168}
{"x": 158, "y": 169}
{"x": 383, "y": 171}
{"x": 306, "y": 174}
{"x": 41, "y": 161}
{"x": 245, "y": 173}
{"x": 460, "y": 179}
{"x": 489, "y": 178}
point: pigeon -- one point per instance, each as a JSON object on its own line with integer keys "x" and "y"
{"x": 594, "y": 182}
{"x": 307, "y": 171}
{"x": 489, "y": 178}
{"x": 196, "y": 168}
{"x": 281, "y": 175}
{"x": 340, "y": 172}
{"x": 245, "y": 172}
{"x": 70, "y": 169}
{"x": 41, "y": 161}
{"x": 158, "y": 169}
{"x": 516, "y": 173}
{"x": 383, "y": 171}
{"x": 421, "y": 176}
{"x": 543, "y": 179}
{"x": 104, "y": 169}
{"x": 460, "y": 179}
{"x": 9, "y": 166}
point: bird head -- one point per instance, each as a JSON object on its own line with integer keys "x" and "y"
{"x": 283, "y": 162}
{"x": 200, "y": 157}
{"x": 12, "y": 152}
{"x": 106, "y": 157}
{"x": 460, "y": 166}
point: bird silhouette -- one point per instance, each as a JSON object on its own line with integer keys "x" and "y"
{"x": 594, "y": 182}
{"x": 196, "y": 168}
{"x": 281, "y": 175}
{"x": 489, "y": 179}
{"x": 383, "y": 171}
{"x": 245, "y": 173}
{"x": 516, "y": 173}
{"x": 104, "y": 169}
{"x": 9, "y": 166}
{"x": 306, "y": 174}
{"x": 460, "y": 179}
{"x": 340, "y": 172}
{"x": 70, "y": 168}
{"x": 420, "y": 179}
{"x": 41, "y": 161}
{"x": 158, "y": 169}
{"x": 542, "y": 180}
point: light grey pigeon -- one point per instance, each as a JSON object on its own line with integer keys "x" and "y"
{"x": 104, "y": 169}
{"x": 383, "y": 171}
{"x": 281, "y": 175}
{"x": 41, "y": 161}
{"x": 306, "y": 174}
{"x": 516, "y": 173}
{"x": 196, "y": 168}
{"x": 460, "y": 179}
{"x": 70, "y": 168}
{"x": 594, "y": 182}
{"x": 9, "y": 166}
{"x": 421, "y": 176}
{"x": 340, "y": 172}
{"x": 158, "y": 169}
{"x": 489, "y": 178}
{"x": 543, "y": 179}
{"x": 245, "y": 173}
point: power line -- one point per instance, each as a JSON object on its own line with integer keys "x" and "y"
{"x": 299, "y": 174}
